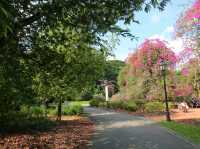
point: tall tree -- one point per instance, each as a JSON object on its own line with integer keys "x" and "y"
{"x": 69, "y": 44}
{"x": 66, "y": 62}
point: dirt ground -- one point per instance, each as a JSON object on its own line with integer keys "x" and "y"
{"x": 72, "y": 133}
{"x": 190, "y": 117}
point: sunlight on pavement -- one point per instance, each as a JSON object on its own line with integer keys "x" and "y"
{"x": 124, "y": 124}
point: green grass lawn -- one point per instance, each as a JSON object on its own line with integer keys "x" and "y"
{"x": 188, "y": 131}
{"x": 83, "y": 103}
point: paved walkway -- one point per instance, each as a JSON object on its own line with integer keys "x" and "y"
{"x": 123, "y": 131}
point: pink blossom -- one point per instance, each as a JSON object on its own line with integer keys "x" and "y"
{"x": 188, "y": 49}
{"x": 185, "y": 54}
{"x": 185, "y": 71}
{"x": 193, "y": 12}
{"x": 150, "y": 53}
{"x": 182, "y": 91}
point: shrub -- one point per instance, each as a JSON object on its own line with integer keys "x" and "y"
{"x": 73, "y": 109}
{"x": 23, "y": 122}
{"x": 37, "y": 111}
{"x": 52, "y": 111}
{"x": 130, "y": 106}
{"x": 140, "y": 103}
{"x": 86, "y": 95}
{"x": 172, "y": 105}
{"x": 154, "y": 107}
{"x": 102, "y": 104}
{"x": 117, "y": 104}
{"x": 117, "y": 97}
{"x": 126, "y": 105}
{"x": 95, "y": 102}
{"x": 99, "y": 97}
{"x": 34, "y": 111}
{"x": 24, "y": 109}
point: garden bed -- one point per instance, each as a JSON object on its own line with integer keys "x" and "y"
{"x": 190, "y": 117}
{"x": 184, "y": 124}
{"x": 72, "y": 132}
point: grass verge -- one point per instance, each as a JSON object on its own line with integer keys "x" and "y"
{"x": 190, "y": 132}
{"x": 82, "y": 103}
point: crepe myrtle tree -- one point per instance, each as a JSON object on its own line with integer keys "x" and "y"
{"x": 149, "y": 55}
{"x": 144, "y": 69}
{"x": 188, "y": 29}
{"x": 188, "y": 26}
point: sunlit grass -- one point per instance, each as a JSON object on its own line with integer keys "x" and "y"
{"x": 190, "y": 132}
{"x": 82, "y": 103}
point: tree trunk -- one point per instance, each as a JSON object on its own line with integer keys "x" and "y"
{"x": 59, "y": 110}
{"x": 46, "y": 107}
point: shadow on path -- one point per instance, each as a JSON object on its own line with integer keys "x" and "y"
{"x": 123, "y": 131}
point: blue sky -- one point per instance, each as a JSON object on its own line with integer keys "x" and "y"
{"x": 154, "y": 24}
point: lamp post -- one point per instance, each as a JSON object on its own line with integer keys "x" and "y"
{"x": 163, "y": 66}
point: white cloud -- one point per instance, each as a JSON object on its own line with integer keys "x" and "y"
{"x": 175, "y": 44}
{"x": 169, "y": 29}
{"x": 156, "y": 36}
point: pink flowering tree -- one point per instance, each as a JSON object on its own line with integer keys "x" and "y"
{"x": 143, "y": 75}
{"x": 188, "y": 28}
{"x": 188, "y": 25}
{"x": 149, "y": 55}
{"x": 189, "y": 76}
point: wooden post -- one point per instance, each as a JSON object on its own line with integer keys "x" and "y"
{"x": 106, "y": 92}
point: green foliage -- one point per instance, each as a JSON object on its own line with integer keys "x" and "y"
{"x": 82, "y": 103}
{"x": 181, "y": 99}
{"x": 117, "y": 97}
{"x": 86, "y": 95}
{"x": 96, "y": 102}
{"x": 112, "y": 69}
{"x": 122, "y": 75}
{"x": 23, "y": 122}
{"x": 99, "y": 97}
{"x": 54, "y": 49}
{"x": 125, "y": 105}
{"x": 33, "y": 111}
{"x": 111, "y": 72}
{"x": 140, "y": 103}
{"x": 172, "y": 105}
{"x": 73, "y": 109}
{"x": 102, "y": 104}
{"x": 52, "y": 111}
{"x": 6, "y": 13}
{"x": 117, "y": 104}
{"x": 37, "y": 112}
{"x": 130, "y": 106}
{"x": 154, "y": 107}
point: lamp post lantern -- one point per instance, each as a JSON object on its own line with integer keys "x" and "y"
{"x": 163, "y": 66}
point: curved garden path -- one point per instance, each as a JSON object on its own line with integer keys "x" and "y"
{"x": 116, "y": 130}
